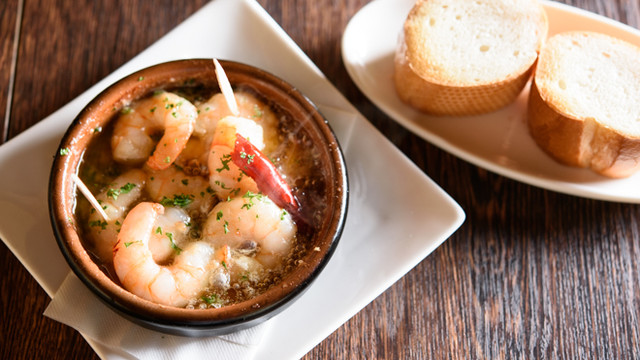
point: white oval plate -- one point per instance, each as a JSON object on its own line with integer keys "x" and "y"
{"x": 498, "y": 141}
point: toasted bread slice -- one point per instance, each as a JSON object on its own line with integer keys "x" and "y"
{"x": 584, "y": 104}
{"x": 462, "y": 57}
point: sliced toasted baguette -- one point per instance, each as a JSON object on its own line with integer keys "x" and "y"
{"x": 462, "y": 57}
{"x": 584, "y": 104}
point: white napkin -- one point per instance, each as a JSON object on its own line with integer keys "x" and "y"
{"x": 73, "y": 302}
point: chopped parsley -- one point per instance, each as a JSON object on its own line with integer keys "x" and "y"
{"x": 99, "y": 223}
{"x": 181, "y": 200}
{"x": 124, "y": 189}
{"x": 97, "y": 129}
{"x": 152, "y": 109}
{"x": 129, "y": 243}
{"x": 174, "y": 246}
{"x": 126, "y": 110}
{"x": 251, "y": 195}
{"x": 225, "y": 162}
{"x": 257, "y": 112}
{"x": 65, "y": 151}
{"x": 185, "y": 181}
{"x": 244, "y": 155}
{"x": 221, "y": 184}
{"x": 141, "y": 78}
{"x": 226, "y": 227}
{"x": 219, "y": 215}
{"x": 211, "y": 299}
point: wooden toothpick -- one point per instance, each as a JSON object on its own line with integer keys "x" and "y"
{"x": 87, "y": 193}
{"x": 226, "y": 89}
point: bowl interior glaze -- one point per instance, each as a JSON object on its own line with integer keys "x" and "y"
{"x": 285, "y": 100}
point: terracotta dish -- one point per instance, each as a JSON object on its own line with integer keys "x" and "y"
{"x": 285, "y": 101}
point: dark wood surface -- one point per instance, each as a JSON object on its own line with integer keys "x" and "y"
{"x": 530, "y": 274}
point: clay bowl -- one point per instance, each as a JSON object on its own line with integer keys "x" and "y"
{"x": 325, "y": 226}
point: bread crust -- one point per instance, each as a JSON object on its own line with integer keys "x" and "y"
{"x": 573, "y": 140}
{"x": 423, "y": 86}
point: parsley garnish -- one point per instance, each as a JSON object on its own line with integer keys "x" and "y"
{"x": 256, "y": 111}
{"x": 174, "y": 246}
{"x": 221, "y": 184}
{"x": 181, "y": 200}
{"x": 225, "y": 162}
{"x": 244, "y": 155}
{"x": 124, "y": 189}
{"x": 65, "y": 151}
{"x": 212, "y": 299}
{"x": 251, "y": 195}
{"x": 99, "y": 223}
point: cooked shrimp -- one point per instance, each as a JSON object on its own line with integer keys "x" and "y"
{"x": 253, "y": 223}
{"x": 225, "y": 177}
{"x": 193, "y": 158}
{"x": 216, "y": 108}
{"x": 174, "y": 284}
{"x": 170, "y": 234}
{"x": 173, "y": 187}
{"x": 132, "y": 141}
{"x": 227, "y": 128}
{"x": 115, "y": 200}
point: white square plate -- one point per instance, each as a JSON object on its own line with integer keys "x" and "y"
{"x": 397, "y": 215}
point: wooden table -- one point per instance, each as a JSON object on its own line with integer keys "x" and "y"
{"x": 530, "y": 274}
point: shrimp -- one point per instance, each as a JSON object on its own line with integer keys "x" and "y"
{"x": 115, "y": 201}
{"x": 173, "y": 187}
{"x": 225, "y": 177}
{"x": 132, "y": 141}
{"x": 211, "y": 111}
{"x": 170, "y": 234}
{"x": 175, "y": 284}
{"x": 254, "y": 223}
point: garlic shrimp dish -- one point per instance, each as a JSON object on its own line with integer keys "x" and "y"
{"x": 201, "y": 206}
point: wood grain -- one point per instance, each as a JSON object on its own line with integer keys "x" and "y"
{"x": 530, "y": 274}
{"x": 9, "y": 14}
